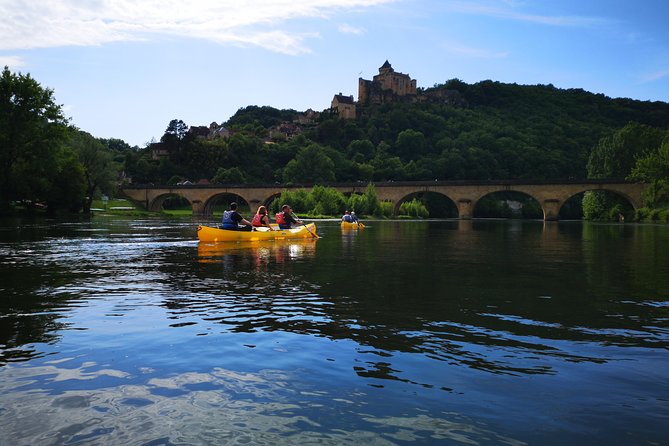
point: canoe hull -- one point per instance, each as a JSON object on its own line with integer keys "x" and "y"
{"x": 349, "y": 225}
{"x": 214, "y": 235}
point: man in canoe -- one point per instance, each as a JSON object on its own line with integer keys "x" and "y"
{"x": 347, "y": 217}
{"x": 234, "y": 221}
{"x": 285, "y": 219}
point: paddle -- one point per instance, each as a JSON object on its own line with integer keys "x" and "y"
{"x": 308, "y": 230}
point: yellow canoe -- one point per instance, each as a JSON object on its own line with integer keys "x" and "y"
{"x": 212, "y": 235}
{"x": 349, "y": 225}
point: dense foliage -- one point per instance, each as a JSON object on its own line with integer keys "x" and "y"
{"x": 43, "y": 160}
{"x": 322, "y": 200}
{"x": 495, "y": 131}
{"x": 635, "y": 152}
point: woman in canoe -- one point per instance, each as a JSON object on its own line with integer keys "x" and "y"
{"x": 261, "y": 219}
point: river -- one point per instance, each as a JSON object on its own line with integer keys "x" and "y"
{"x": 127, "y": 331}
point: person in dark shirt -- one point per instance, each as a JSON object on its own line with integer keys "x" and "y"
{"x": 285, "y": 219}
{"x": 234, "y": 221}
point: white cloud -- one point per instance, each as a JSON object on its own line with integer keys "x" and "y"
{"x": 656, "y": 76}
{"x": 345, "y": 28}
{"x": 469, "y": 51}
{"x": 476, "y": 8}
{"x": 12, "y": 61}
{"x": 261, "y": 23}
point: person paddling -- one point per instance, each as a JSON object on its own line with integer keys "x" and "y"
{"x": 233, "y": 219}
{"x": 347, "y": 217}
{"x": 285, "y": 219}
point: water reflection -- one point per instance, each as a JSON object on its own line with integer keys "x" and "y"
{"x": 220, "y": 406}
{"x": 261, "y": 252}
{"x": 393, "y": 334}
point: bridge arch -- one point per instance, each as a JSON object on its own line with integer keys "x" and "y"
{"x": 156, "y": 205}
{"x": 222, "y": 199}
{"x": 628, "y": 204}
{"x": 516, "y": 204}
{"x": 442, "y": 204}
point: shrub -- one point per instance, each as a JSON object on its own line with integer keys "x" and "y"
{"x": 414, "y": 208}
{"x": 385, "y": 209}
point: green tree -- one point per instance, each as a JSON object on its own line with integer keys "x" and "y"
{"x": 99, "y": 169}
{"x": 654, "y": 168}
{"x": 229, "y": 176}
{"x": 32, "y": 132}
{"x": 410, "y": 144}
{"x": 311, "y": 165}
{"x": 615, "y": 156}
{"x": 363, "y": 149}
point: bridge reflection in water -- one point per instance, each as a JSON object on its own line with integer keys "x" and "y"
{"x": 550, "y": 195}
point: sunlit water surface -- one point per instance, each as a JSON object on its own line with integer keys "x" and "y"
{"x": 117, "y": 331}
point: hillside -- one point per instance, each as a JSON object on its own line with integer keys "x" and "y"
{"x": 503, "y": 131}
{"x": 456, "y": 131}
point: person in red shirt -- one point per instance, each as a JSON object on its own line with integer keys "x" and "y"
{"x": 285, "y": 219}
{"x": 261, "y": 219}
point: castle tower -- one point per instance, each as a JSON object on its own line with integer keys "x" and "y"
{"x": 387, "y": 86}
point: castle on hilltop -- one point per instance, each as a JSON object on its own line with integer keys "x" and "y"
{"x": 387, "y": 86}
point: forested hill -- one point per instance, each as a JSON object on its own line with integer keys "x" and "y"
{"x": 487, "y": 130}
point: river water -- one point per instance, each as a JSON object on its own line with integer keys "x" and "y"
{"x": 117, "y": 331}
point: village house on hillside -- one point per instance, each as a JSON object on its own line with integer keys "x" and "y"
{"x": 344, "y": 106}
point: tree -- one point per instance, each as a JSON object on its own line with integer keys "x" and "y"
{"x": 614, "y": 156}
{"x": 32, "y": 131}
{"x": 99, "y": 169}
{"x": 654, "y": 168}
{"x": 176, "y": 131}
{"x": 311, "y": 165}
{"x": 229, "y": 176}
{"x": 410, "y": 144}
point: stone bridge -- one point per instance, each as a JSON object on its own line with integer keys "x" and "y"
{"x": 551, "y": 195}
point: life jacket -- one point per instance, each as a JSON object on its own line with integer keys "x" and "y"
{"x": 257, "y": 220}
{"x": 228, "y": 223}
{"x": 281, "y": 219}
{"x": 347, "y": 218}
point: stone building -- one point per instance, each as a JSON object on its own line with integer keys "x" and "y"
{"x": 387, "y": 86}
{"x": 344, "y": 106}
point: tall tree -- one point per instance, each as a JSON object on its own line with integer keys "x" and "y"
{"x": 614, "y": 156}
{"x": 32, "y": 131}
{"x": 100, "y": 170}
{"x": 310, "y": 165}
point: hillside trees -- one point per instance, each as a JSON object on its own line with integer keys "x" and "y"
{"x": 615, "y": 156}
{"x": 493, "y": 131}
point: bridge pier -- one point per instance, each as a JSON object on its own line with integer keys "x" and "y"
{"x": 465, "y": 209}
{"x": 551, "y": 208}
{"x": 198, "y": 207}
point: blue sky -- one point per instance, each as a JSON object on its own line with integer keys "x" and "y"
{"x": 125, "y": 68}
